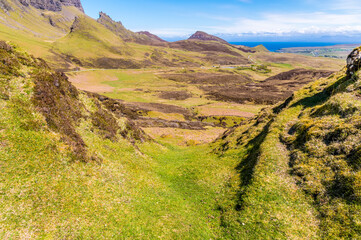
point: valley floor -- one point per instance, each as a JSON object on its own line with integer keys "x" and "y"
{"x": 165, "y": 192}
{"x": 176, "y": 153}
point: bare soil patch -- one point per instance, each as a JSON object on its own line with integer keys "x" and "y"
{"x": 84, "y": 82}
{"x": 225, "y": 112}
{"x": 185, "y": 136}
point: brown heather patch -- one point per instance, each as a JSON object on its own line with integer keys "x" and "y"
{"x": 239, "y": 88}
{"x": 58, "y": 101}
{"x": 175, "y": 95}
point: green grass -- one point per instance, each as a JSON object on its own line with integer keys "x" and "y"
{"x": 90, "y": 39}
{"x": 268, "y": 203}
{"x": 167, "y": 193}
{"x": 299, "y": 169}
{"x": 282, "y": 65}
{"x": 151, "y": 191}
{"x": 32, "y": 31}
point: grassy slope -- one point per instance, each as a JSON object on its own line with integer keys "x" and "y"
{"x": 47, "y": 192}
{"x": 298, "y": 168}
{"x": 31, "y": 30}
{"x": 90, "y": 39}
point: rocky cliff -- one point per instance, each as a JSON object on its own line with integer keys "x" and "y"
{"x": 52, "y": 5}
{"x": 115, "y": 27}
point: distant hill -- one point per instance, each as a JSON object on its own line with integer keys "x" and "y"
{"x": 152, "y": 36}
{"x": 203, "y": 36}
{"x": 216, "y": 49}
{"x": 261, "y": 48}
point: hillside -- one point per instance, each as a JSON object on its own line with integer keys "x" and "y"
{"x": 36, "y": 29}
{"x": 69, "y": 40}
{"x": 298, "y": 174}
{"x": 145, "y": 38}
{"x": 91, "y": 44}
{"x": 217, "y": 50}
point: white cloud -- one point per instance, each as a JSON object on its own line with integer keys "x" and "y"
{"x": 330, "y": 17}
{"x": 315, "y": 22}
{"x": 349, "y": 5}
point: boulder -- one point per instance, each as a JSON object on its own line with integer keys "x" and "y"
{"x": 354, "y": 61}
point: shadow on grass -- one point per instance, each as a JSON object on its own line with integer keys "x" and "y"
{"x": 246, "y": 167}
{"x": 325, "y": 95}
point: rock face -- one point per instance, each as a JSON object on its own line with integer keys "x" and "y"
{"x": 75, "y": 3}
{"x": 115, "y": 27}
{"x": 52, "y": 5}
{"x": 5, "y": 5}
{"x": 354, "y": 61}
{"x": 199, "y": 35}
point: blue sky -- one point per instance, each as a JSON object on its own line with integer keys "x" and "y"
{"x": 239, "y": 20}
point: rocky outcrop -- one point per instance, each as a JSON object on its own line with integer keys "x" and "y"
{"x": 145, "y": 38}
{"x": 74, "y": 3}
{"x": 115, "y": 27}
{"x": 5, "y": 6}
{"x": 199, "y": 35}
{"x": 354, "y": 61}
{"x": 52, "y": 5}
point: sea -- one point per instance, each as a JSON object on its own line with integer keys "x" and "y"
{"x": 275, "y": 46}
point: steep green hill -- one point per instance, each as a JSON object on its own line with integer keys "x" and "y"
{"x": 299, "y": 166}
{"x": 93, "y": 43}
{"x": 145, "y": 38}
{"x": 35, "y": 30}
